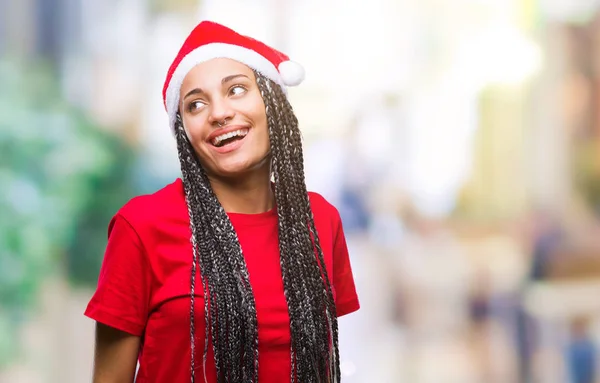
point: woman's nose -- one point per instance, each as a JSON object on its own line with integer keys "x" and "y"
{"x": 220, "y": 111}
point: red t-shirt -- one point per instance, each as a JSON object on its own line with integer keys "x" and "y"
{"x": 144, "y": 283}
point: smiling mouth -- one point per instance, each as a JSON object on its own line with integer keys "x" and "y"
{"x": 228, "y": 138}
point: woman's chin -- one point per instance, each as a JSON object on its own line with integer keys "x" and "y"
{"x": 237, "y": 169}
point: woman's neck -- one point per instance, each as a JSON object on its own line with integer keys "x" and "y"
{"x": 248, "y": 195}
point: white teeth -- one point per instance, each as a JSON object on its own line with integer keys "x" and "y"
{"x": 241, "y": 133}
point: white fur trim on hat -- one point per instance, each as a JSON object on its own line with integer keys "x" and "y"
{"x": 210, "y": 51}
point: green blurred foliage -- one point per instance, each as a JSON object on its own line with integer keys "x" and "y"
{"x": 586, "y": 170}
{"x": 164, "y": 6}
{"x": 61, "y": 179}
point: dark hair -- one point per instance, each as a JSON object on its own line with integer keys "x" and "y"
{"x": 230, "y": 310}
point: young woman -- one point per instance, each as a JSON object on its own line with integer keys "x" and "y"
{"x": 233, "y": 273}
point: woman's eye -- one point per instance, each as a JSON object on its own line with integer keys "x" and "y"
{"x": 237, "y": 90}
{"x": 195, "y": 105}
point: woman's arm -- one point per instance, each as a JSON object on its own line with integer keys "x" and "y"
{"x": 116, "y": 355}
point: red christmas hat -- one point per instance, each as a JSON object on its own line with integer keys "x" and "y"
{"x": 210, "y": 40}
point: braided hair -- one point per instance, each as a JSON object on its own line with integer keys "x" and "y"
{"x": 230, "y": 309}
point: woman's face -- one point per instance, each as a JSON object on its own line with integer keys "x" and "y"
{"x": 224, "y": 117}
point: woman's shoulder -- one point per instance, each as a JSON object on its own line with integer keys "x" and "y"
{"x": 169, "y": 201}
{"x": 322, "y": 208}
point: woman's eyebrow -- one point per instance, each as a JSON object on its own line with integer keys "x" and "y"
{"x": 223, "y": 81}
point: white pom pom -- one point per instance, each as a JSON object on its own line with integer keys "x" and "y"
{"x": 291, "y": 73}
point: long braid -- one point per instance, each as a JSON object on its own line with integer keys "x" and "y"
{"x": 295, "y": 289}
{"x": 230, "y": 309}
{"x": 331, "y": 314}
{"x": 313, "y": 319}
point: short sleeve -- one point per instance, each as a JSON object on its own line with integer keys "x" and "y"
{"x": 346, "y": 299}
{"x": 122, "y": 296}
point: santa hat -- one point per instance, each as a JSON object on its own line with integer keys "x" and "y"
{"x": 210, "y": 40}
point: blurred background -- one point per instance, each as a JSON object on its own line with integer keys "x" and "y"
{"x": 460, "y": 141}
